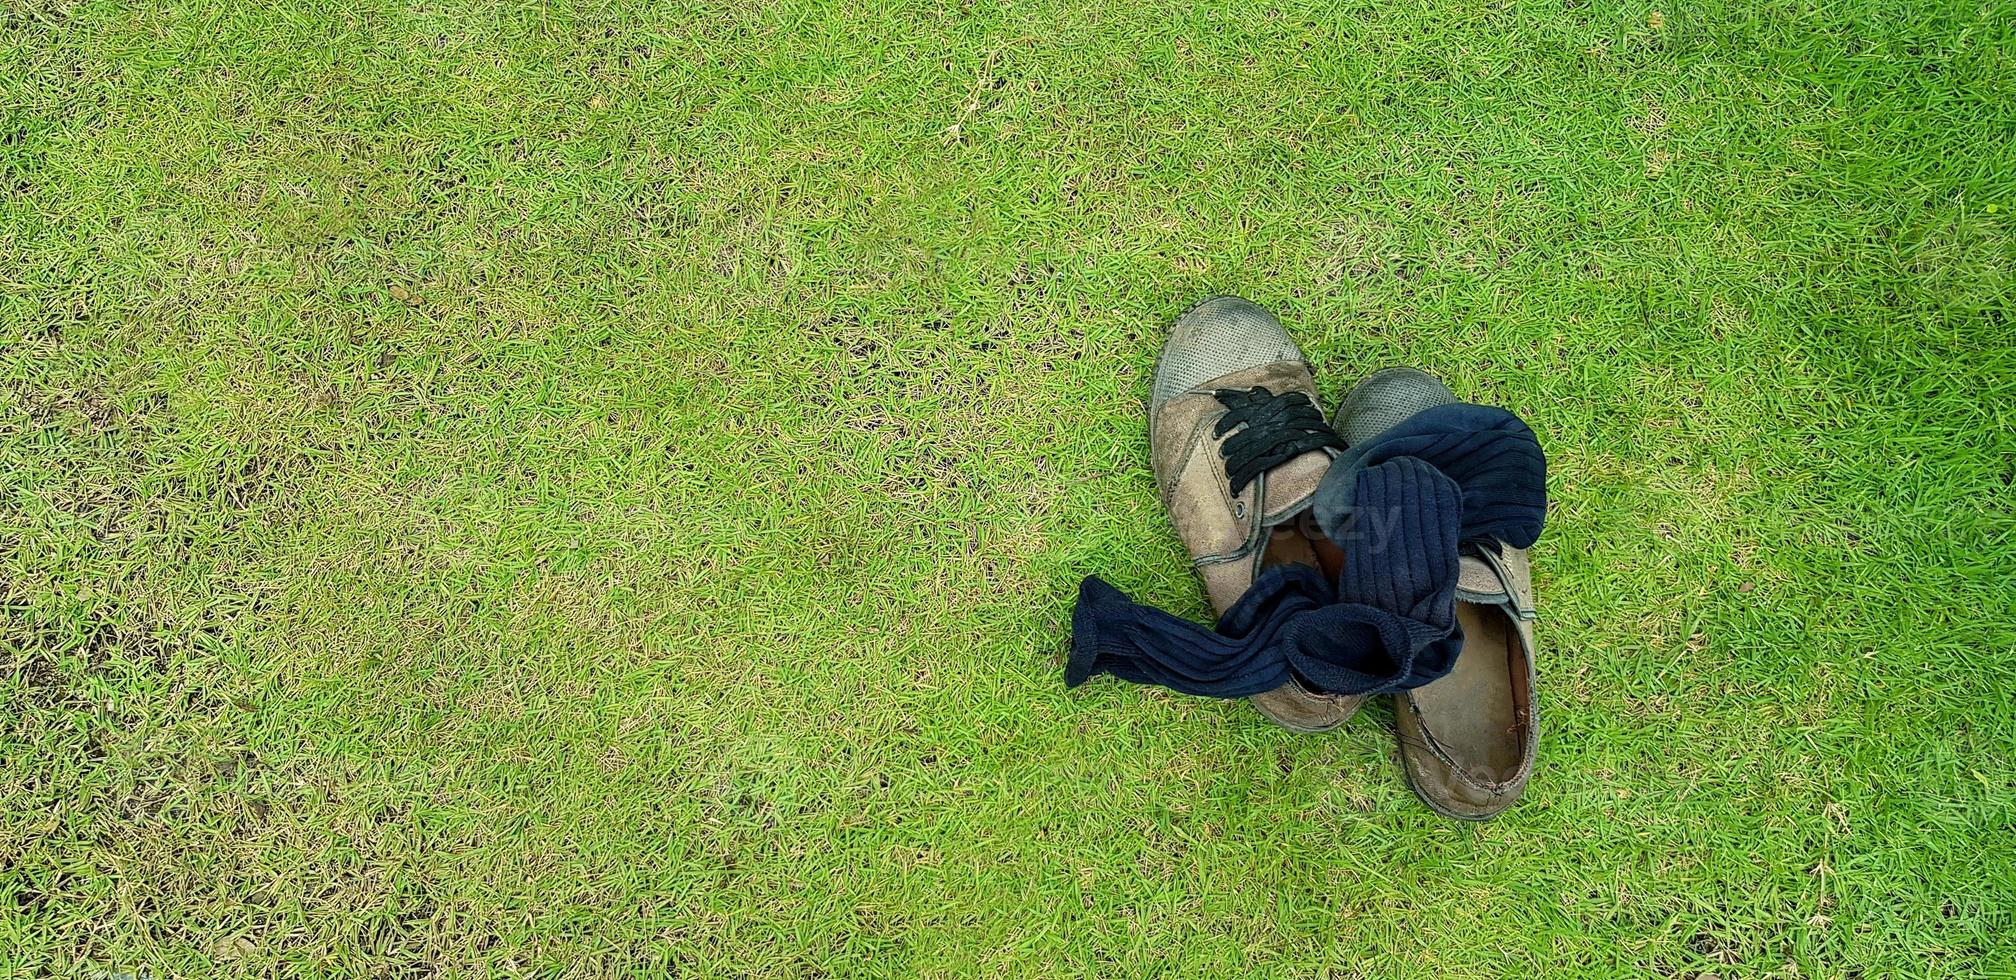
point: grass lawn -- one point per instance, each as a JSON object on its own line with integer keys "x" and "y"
{"x": 579, "y": 490}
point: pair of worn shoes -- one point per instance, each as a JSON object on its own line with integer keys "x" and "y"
{"x": 1467, "y": 738}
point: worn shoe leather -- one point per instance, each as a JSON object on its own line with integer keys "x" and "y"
{"x": 1228, "y": 343}
{"x": 1467, "y": 740}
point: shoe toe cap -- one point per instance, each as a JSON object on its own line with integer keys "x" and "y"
{"x": 1386, "y": 399}
{"x": 1217, "y": 337}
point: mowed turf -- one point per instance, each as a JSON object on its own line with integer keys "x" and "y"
{"x": 581, "y": 490}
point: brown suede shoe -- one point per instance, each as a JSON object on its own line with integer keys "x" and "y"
{"x": 1467, "y": 740}
{"x": 1224, "y": 344}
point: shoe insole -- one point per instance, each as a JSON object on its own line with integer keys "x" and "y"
{"x": 1287, "y": 547}
{"x": 1471, "y": 710}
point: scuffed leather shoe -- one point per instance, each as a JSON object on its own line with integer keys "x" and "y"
{"x": 1227, "y": 345}
{"x": 1467, "y": 739}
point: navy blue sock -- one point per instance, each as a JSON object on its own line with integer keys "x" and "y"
{"x": 1400, "y": 507}
{"x": 1394, "y": 600}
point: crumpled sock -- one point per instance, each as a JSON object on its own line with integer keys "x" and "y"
{"x": 1491, "y": 454}
{"x": 1112, "y": 634}
{"x": 1406, "y": 565}
{"x": 1387, "y": 625}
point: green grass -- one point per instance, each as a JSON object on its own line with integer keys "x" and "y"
{"x": 567, "y": 490}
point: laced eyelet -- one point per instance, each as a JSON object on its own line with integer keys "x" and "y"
{"x": 1270, "y": 429}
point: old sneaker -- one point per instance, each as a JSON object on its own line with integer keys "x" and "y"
{"x": 1230, "y": 379}
{"x": 1466, "y": 739}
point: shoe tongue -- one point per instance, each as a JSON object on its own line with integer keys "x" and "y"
{"x": 1477, "y": 582}
{"x": 1290, "y": 485}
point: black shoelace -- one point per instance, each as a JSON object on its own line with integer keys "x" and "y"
{"x": 1278, "y": 429}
